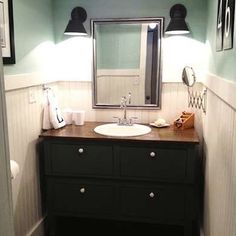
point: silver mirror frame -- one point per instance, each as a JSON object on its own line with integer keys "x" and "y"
{"x": 160, "y": 21}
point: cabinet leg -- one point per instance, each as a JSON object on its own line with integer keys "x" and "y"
{"x": 188, "y": 227}
{"x": 51, "y": 226}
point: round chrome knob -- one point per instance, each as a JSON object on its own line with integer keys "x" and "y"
{"x": 81, "y": 150}
{"x": 152, "y": 154}
{"x": 82, "y": 190}
{"x": 151, "y": 195}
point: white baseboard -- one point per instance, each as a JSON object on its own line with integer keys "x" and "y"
{"x": 38, "y": 229}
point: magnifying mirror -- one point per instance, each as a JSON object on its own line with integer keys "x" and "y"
{"x": 188, "y": 76}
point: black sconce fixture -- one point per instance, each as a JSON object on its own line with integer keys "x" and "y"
{"x": 177, "y": 23}
{"x": 75, "y": 25}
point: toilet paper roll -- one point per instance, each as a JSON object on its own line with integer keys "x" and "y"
{"x": 15, "y": 169}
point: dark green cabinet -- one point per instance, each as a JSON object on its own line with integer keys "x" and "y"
{"x": 122, "y": 180}
{"x": 82, "y": 197}
{"x": 153, "y": 163}
{"x": 81, "y": 159}
{"x": 156, "y": 203}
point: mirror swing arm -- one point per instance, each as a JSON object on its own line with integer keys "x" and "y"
{"x": 196, "y": 99}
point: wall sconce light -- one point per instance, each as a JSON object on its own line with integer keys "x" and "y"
{"x": 177, "y": 23}
{"x": 75, "y": 25}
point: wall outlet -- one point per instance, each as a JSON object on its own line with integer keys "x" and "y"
{"x": 31, "y": 96}
{"x": 136, "y": 80}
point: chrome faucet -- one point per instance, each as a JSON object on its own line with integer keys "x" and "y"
{"x": 123, "y": 104}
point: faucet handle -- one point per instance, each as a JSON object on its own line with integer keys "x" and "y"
{"x": 118, "y": 119}
{"x": 131, "y": 120}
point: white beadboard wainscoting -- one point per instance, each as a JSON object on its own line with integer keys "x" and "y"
{"x": 24, "y": 126}
{"x": 78, "y": 95}
{"x": 219, "y": 135}
{"x": 217, "y": 126}
{"x": 121, "y": 82}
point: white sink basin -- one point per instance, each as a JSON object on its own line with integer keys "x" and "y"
{"x": 122, "y": 130}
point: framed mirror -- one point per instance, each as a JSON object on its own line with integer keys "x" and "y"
{"x": 127, "y": 60}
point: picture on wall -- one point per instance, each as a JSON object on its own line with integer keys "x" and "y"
{"x": 7, "y": 32}
{"x": 229, "y": 24}
{"x": 2, "y": 31}
{"x": 225, "y": 25}
{"x": 220, "y": 25}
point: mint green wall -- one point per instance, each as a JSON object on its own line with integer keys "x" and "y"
{"x": 34, "y": 24}
{"x": 120, "y": 46}
{"x": 130, "y": 8}
{"x": 221, "y": 63}
{"x": 33, "y": 34}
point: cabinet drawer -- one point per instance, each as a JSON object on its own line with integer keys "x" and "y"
{"x": 82, "y": 198}
{"x": 153, "y": 163}
{"x": 155, "y": 203}
{"x": 87, "y": 159}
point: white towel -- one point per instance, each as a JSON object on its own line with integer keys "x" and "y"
{"x": 15, "y": 169}
{"x": 46, "y": 117}
{"x": 52, "y": 117}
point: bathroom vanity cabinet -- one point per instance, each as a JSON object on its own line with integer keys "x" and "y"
{"x": 152, "y": 178}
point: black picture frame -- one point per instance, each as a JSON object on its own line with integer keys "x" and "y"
{"x": 220, "y": 25}
{"x": 229, "y": 24}
{"x": 225, "y": 25}
{"x": 7, "y": 40}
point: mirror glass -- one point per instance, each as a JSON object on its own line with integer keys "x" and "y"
{"x": 188, "y": 76}
{"x": 127, "y": 60}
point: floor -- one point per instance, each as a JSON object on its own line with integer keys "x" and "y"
{"x": 74, "y": 227}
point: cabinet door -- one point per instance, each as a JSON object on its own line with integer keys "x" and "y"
{"x": 162, "y": 203}
{"x": 81, "y": 158}
{"x": 81, "y": 197}
{"x": 153, "y": 163}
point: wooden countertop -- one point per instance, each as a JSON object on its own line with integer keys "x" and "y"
{"x": 156, "y": 135}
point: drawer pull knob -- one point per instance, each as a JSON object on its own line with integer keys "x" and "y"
{"x": 81, "y": 150}
{"x": 82, "y": 190}
{"x": 151, "y": 195}
{"x": 152, "y": 154}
